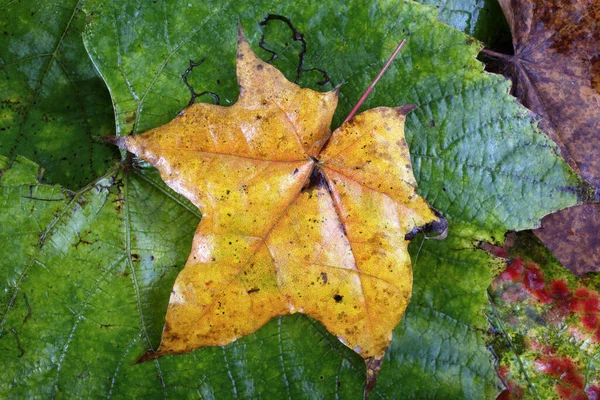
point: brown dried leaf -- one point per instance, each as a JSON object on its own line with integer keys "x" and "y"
{"x": 556, "y": 74}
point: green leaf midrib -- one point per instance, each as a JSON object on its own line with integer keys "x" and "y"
{"x": 134, "y": 281}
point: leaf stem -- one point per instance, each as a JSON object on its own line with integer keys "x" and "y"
{"x": 496, "y": 54}
{"x": 377, "y": 78}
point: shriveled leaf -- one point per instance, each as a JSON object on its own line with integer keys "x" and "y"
{"x": 556, "y": 70}
{"x": 547, "y": 325}
{"x": 53, "y": 101}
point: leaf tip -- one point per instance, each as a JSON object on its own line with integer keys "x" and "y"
{"x": 587, "y": 193}
{"x": 241, "y": 37}
{"x": 118, "y": 141}
{"x": 148, "y": 356}
{"x": 373, "y": 367}
{"x": 406, "y": 109}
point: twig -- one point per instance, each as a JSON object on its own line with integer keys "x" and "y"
{"x": 377, "y": 78}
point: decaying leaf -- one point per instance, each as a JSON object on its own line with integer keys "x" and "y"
{"x": 295, "y": 218}
{"x": 547, "y": 326}
{"x": 556, "y": 70}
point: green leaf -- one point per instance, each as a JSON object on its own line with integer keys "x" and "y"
{"x": 96, "y": 267}
{"x": 547, "y": 325}
{"x": 85, "y": 274}
{"x": 53, "y": 102}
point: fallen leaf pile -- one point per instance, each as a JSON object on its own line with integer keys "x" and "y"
{"x": 295, "y": 218}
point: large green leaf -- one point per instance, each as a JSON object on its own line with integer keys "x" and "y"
{"x": 53, "y": 102}
{"x": 95, "y": 267}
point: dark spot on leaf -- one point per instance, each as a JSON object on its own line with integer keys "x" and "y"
{"x": 338, "y": 298}
{"x": 439, "y": 226}
{"x": 130, "y": 118}
{"x": 324, "y": 277}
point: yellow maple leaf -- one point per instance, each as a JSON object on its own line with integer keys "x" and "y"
{"x": 295, "y": 218}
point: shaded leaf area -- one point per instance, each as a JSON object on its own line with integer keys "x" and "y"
{"x": 53, "y": 101}
{"x": 556, "y": 69}
{"x": 482, "y": 19}
{"x": 547, "y": 325}
{"x": 85, "y": 274}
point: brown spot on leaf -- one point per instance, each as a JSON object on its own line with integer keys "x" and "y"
{"x": 323, "y": 277}
{"x": 130, "y": 118}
